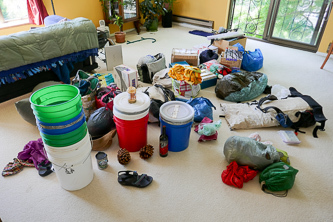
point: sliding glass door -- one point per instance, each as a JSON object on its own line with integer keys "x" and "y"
{"x": 294, "y": 23}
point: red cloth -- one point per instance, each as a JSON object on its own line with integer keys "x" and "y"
{"x": 36, "y": 12}
{"x": 236, "y": 175}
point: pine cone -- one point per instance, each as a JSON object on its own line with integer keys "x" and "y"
{"x": 146, "y": 152}
{"x": 123, "y": 156}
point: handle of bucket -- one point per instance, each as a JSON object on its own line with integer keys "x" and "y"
{"x": 68, "y": 170}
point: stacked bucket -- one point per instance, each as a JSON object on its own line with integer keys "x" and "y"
{"x": 62, "y": 125}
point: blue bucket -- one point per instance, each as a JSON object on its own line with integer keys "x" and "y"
{"x": 177, "y": 117}
{"x": 62, "y": 127}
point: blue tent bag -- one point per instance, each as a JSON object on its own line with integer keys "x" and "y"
{"x": 252, "y": 61}
{"x": 202, "y": 108}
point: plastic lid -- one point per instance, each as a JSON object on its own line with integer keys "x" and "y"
{"x": 176, "y": 111}
{"x": 122, "y": 105}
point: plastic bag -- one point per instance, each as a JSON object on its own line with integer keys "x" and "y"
{"x": 239, "y": 46}
{"x": 202, "y": 108}
{"x": 209, "y": 129}
{"x": 278, "y": 177}
{"x": 246, "y": 151}
{"x": 252, "y": 61}
{"x": 181, "y": 88}
{"x": 100, "y": 122}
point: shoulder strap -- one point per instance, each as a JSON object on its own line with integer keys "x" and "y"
{"x": 262, "y": 100}
{"x": 316, "y": 107}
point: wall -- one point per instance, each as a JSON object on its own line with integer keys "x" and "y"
{"x": 212, "y": 10}
{"x": 215, "y": 10}
{"x": 90, "y": 9}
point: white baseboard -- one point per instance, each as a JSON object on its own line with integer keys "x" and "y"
{"x": 193, "y": 26}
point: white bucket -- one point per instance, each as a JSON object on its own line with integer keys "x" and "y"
{"x": 74, "y": 172}
{"x": 71, "y": 151}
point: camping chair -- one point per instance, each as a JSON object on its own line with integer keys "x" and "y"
{"x": 330, "y": 51}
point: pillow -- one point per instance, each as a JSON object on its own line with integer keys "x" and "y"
{"x": 24, "y": 109}
{"x": 23, "y": 106}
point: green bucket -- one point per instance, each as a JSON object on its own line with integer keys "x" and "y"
{"x": 66, "y": 139}
{"x": 56, "y": 103}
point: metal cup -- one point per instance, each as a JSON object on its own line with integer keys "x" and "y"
{"x": 102, "y": 160}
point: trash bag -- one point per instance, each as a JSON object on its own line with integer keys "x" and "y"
{"x": 277, "y": 177}
{"x": 248, "y": 152}
{"x": 208, "y": 55}
{"x": 239, "y": 46}
{"x": 100, "y": 122}
{"x": 252, "y": 61}
{"x": 241, "y": 86}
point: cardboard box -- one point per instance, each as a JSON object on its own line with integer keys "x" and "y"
{"x": 233, "y": 64}
{"x": 191, "y": 56}
{"x": 125, "y": 77}
{"x": 113, "y": 55}
{"x": 223, "y": 44}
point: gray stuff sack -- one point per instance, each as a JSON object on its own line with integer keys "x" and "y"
{"x": 249, "y": 152}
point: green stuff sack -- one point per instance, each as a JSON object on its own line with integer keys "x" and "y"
{"x": 277, "y": 177}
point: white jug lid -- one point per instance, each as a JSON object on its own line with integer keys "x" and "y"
{"x": 176, "y": 111}
{"x": 121, "y": 104}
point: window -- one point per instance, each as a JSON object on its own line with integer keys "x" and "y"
{"x": 13, "y": 12}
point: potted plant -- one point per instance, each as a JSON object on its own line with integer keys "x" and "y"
{"x": 151, "y": 10}
{"x": 167, "y": 16}
{"x": 108, "y": 10}
{"x": 120, "y": 35}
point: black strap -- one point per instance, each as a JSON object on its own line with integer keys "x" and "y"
{"x": 262, "y": 100}
{"x": 277, "y": 110}
{"x": 316, "y": 108}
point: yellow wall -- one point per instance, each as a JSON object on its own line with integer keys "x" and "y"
{"x": 90, "y": 9}
{"x": 214, "y": 10}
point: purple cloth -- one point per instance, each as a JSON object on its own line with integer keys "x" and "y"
{"x": 33, "y": 152}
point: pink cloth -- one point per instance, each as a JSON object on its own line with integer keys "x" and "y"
{"x": 203, "y": 138}
{"x": 33, "y": 152}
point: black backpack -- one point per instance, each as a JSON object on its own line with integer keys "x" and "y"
{"x": 307, "y": 118}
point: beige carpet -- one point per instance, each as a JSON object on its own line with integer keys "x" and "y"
{"x": 187, "y": 185}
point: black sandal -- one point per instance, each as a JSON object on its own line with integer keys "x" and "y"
{"x": 44, "y": 169}
{"x": 132, "y": 178}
